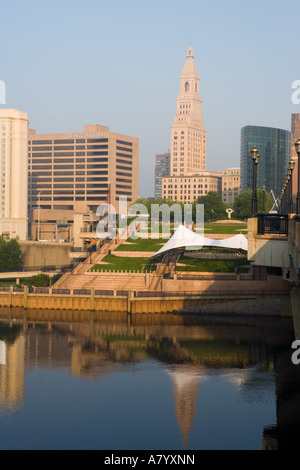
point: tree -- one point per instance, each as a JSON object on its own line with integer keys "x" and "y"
{"x": 161, "y": 202}
{"x": 10, "y": 255}
{"x": 214, "y": 208}
{"x": 243, "y": 204}
{"x": 40, "y": 280}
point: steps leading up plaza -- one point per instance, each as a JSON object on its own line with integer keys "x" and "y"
{"x": 82, "y": 278}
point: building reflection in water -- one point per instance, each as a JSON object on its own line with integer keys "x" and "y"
{"x": 187, "y": 348}
{"x": 2, "y": 352}
{"x": 12, "y": 368}
{"x": 185, "y": 389}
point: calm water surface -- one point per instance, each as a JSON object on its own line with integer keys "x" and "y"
{"x": 148, "y": 382}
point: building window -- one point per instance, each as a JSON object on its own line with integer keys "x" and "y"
{"x": 186, "y": 86}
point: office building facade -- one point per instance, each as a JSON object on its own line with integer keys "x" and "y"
{"x": 274, "y": 147}
{"x": 76, "y": 172}
{"x": 231, "y": 185}
{"x": 162, "y": 168}
{"x": 13, "y": 180}
{"x": 187, "y": 188}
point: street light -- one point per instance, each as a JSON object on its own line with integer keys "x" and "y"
{"x": 255, "y": 157}
{"x": 291, "y": 168}
{"x": 297, "y": 147}
{"x": 287, "y": 192}
{"x": 264, "y": 193}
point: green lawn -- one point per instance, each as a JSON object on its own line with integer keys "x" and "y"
{"x": 212, "y": 265}
{"x": 142, "y": 244}
{"x": 120, "y": 263}
{"x": 225, "y": 229}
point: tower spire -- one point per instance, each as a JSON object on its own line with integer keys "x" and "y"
{"x": 190, "y": 154}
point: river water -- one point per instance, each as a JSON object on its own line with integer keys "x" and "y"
{"x": 149, "y": 382}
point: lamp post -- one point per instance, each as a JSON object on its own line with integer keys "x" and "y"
{"x": 297, "y": 147}
{"x": 264, "y": 193}
{"x": 281, "y": 201}
{"x": 291, "y": 168}
{"x": 287, "y": 179}
{"x": 255, "y": 158}
{"x": 285, "y": 196}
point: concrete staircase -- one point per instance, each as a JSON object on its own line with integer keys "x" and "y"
{"x": 106, "y": 281}
{"x": 82, "y": 278}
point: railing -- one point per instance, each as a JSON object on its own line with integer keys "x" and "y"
{"x": 28, "y": 269}
{"x": 274, "y": 224}
{"x": 153, "y": 294}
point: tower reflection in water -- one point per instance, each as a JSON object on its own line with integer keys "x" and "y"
{"x": 252, "y": 353}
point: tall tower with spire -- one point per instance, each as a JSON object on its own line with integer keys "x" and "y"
{"x": 188, "y": 136}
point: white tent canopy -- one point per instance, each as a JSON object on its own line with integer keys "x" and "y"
{"x": 185, "y": 238}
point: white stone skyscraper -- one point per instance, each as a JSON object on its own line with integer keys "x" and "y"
{"x": 188, "y": 136}
{"x": 14, "y": 173}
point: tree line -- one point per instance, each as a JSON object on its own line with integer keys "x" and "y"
{"x": 215, "y": 208}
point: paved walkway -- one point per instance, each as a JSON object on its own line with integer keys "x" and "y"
{"x": 22, "y": 274}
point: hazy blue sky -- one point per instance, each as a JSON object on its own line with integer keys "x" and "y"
{"x": 118, "y": 63}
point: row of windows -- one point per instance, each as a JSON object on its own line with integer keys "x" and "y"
{"x": 63, "y": 147}
{"x": 40, "y": 148}
{"x": 70, "y": 167}
{"x": 40, "y": 142}
{"x": 128, "y": 199}
{"x": 69, "y": 195}
{"x": 38, "y": 160}
{"x": 118, "y": 154}
{"x": 67, "y": 147}
{"x": 186, "y": 192}
{"x": 97, "y": 146}
{"x": 187, "y": 186}
{"x": 191, "y": 180}
{"x": 123, "y": 180}
{"x": 88, "y": 198}
{"x": 123, "y": 186}
{"x": 42, "y": 154}
{"x": 124, "y": 142}
{"x": 119, "y": 167}
{"x": 124, "y": 162}
{"x": 37, "y": 186}
{"x": 123, "y": 148}
{"x": 124, "y": 193}
{"x": 97, "y": 153}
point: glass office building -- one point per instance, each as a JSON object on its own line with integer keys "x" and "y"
{"x": 274, "y": 147}
{"x": 162, "y": 168}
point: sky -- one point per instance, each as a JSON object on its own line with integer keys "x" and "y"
{"x": 118, "y": 63}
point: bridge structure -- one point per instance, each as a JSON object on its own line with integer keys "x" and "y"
{"x": 274, "y": 238}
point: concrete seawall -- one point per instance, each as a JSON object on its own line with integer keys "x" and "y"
{"x": 129, "y": 302}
